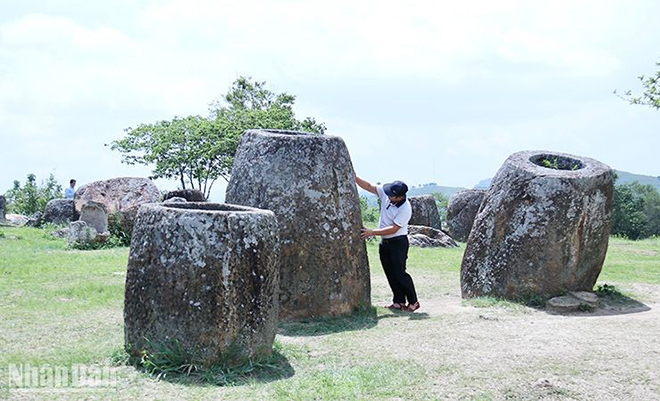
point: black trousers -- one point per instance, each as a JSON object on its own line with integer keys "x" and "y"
{"x": 393, "y": 255}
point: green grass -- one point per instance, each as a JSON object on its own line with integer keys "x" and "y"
{"x": 63, "y": 307}
{"x": 68, "y": 303}
{"x": 632, "y": 261}
{"x": 384, "y": 380}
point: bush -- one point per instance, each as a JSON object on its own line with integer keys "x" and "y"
{"x": 119, "y": 234}
{"x": 32, "y": 198}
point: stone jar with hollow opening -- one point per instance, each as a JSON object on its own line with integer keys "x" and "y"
{"x": 309, "y": 182}
{"x": 205, "y": 276}
{"x": 542, "y": 228}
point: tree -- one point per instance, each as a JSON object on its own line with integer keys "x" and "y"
{"x": 198, "y": 150}
{"x": 369, "y": 213}
{"x": 651, "y": 95}
{"x": 32, "y": 198}
{"x": 442, "y": 202}
{"x": 636, "y": 211}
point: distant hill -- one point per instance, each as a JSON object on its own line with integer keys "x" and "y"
{"x": 432, "y": 188}
{"x": 425, "y": 189}
{"x": 483, "y": 184}
{"x": 624, "y": 178}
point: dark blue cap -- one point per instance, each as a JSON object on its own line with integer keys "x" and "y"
{"x": 396, "y": 188}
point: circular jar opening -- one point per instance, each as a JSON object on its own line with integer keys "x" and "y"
{"x": 213, "y": 207}
{"x": 556, "y": 162}
{"x": 286, "y": 132}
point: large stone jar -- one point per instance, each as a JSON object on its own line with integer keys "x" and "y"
{"x": 309, "y": 182}
{"x": 122, "y": 195}
{"x": 424, "y": 211}
{"x": 205, "y": 276}
{"x": 59, "y": 211}
{"x": 542, "y": 229}
{"x": 461, "y": 211}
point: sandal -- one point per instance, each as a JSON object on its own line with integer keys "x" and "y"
{"x": 412, "y": 307}
{"x": 396, "y": 306}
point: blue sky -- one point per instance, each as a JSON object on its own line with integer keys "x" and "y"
{"x": 425, "y": 91}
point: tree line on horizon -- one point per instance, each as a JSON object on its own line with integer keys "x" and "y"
{"x": 198, "y": 150}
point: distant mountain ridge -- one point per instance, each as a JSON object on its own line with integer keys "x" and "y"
{"x": 624, "y": 177}
{"x": 627, "y": 178}
{"x": 424, "y": 189}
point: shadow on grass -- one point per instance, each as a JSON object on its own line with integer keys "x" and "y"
{"x": 617, "y": 304}
{"x": 359, "y": 320}
{"x": 610, "y": 302}
{"x": 393, "y": 313}
{"x": 262, "y": 370}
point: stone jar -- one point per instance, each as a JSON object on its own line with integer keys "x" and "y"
{"x": 190, "y": 195}
{"x": 59, "y": 211}
{"x": 122, "y": 196}
{"x": 3, "y": 207}
{"x": 309, "y": 182}
{"x": 542, "y": 228}
{"x": 424, "y": 211}
{"x": 204, "y": 275}
{"x": 461, "y": 211}
{"x": 95, "y": 215}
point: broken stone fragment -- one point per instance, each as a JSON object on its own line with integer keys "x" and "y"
{"x": 573, "y": 301}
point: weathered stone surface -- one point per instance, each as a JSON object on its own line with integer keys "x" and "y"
{"x": 3, "y": 208}
{"x": 573, "y": 301}
{"x": 540, "y": 230}
{"x": 61, "y": 233}
{"x": 205, "y": 275}
{"x": 81, "y": 233}
{"x": 190, "y": 195}
{"x": 424, "y": 211}
{"x": 60, "y": 211}
{"x": 428, "y": 237}
{"x": 587, "y": 298}
{"x": 309, "y": 182}
{"x": 123, "y": 195}
{"x": 175, "y": 199}
{"x": 562, "y": 304}
{"x": 461, "y": 211}
{"x": 35, "y": 220}
{"x": 95, "y": 215}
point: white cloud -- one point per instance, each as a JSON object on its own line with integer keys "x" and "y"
{"x": 67, "y": 80}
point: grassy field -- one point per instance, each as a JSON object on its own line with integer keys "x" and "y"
{"x": 61, "y": 307}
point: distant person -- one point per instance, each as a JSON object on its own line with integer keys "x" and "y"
{"x": 70, "y": 192}
{"x": 395, "y": 213}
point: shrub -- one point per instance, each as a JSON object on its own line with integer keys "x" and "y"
{"x": 119, "y": 234}
{"x": 32, "y": 198}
